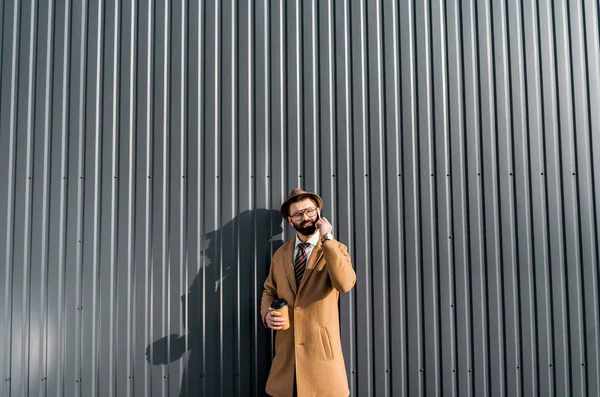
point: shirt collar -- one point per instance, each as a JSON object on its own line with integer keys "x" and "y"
{"x": 313, "y": 240}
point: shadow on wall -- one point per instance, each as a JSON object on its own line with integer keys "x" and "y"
{"x": 229, "y": 350}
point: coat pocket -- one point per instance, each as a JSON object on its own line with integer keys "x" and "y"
{"x": 326, "y": 344}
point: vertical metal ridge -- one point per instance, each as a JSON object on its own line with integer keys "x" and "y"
{"x": 64, "y": 212}
{"x": 379, "y": 252}
{"x": 465, "y": 370}
{"x": 7, "y": 362}
{"x": 44, "y": 258}
{"x": 165, "y": 214}
{"x": 520, "y": 167}
{"x": 132, "y": 273}
{"x": 295, "y": 73}
{"x": 314, "y": 83}
{"x": 235, "y": 383}
{"x": 506, "y": 208}
{"x": 581, "y": 182}
{"x": 585, "y": 185}
{"x": 560, "y": 346}
{"x": 268, "y": 171}
{"x": 492, "y": 281}
{"x": 504, "y": 203}
{"x": 235, "y": 200}
{"x": 348, "y": 309}
{"x": 26, "y": 349}
{"x": 252, "y": 54}
{"x": 184, "y": 178}
{"x": 532, "y": 119}
{"x": 536, "y": 120}
{"x": 97, "y": 126}
{"x": 81, "y": 163}
{"x": 548, "y": 98}
{"x": 445, "y": 251}
{"x": 215, "y": 219}
{"x": 569, "y": 277}
{"x": 415, "y": 141}
{"x": 360, "y": 171}
{"x": 201, "y": 266}
{"x": 2, "y": 27}
{"x": 397, "y": 281}
{"x": 428, "y": 192}
{"x": 409, "y": 124}
{"x": 149, "y": 202}
{"x": 592, "y": 58}
{"x": 514, "y": 339}
{"x": 450, "y": 204}
{"x": 113, "y": 261}
{"x": 269, "y": 140}
{"x": 282, "y": 97}
{"x": 218, "y": 130}
{"x": 251, "y": 193}
{"x": 331, "y": 128}
{"x": 458, "y": 185}
{"x": 479, "y": 369}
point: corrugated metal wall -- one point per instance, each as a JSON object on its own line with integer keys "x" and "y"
{"x": 145, "y": 148}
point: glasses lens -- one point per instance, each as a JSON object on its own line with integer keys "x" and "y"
{"x": 299, "y": 215}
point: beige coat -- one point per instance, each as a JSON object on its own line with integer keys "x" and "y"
{"x": 313, "y": 341}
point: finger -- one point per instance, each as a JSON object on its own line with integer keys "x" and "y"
{"x": 275, "y": 314}
{"x": 272, "y": 325}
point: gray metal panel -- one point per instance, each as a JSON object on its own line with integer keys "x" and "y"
{"x": 145, "y": 150}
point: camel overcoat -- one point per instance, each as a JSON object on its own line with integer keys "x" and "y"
{"x": 312, "y": 344}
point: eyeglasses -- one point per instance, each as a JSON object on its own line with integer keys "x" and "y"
{"x": 299, "y": 215}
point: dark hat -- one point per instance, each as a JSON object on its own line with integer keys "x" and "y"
{"x": 296, "y": 195}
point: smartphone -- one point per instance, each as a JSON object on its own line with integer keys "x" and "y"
{"x": 318, "y": 217}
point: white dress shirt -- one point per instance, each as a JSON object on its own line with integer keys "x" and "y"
{"x": 313, "y": 240}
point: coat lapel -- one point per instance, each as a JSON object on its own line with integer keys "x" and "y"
{"x": 289, "y": 264}
{"x": 315, "y": 257}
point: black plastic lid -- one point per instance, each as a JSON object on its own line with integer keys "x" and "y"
{"x": 279, "y": 303}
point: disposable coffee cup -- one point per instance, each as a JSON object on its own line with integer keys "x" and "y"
{"x": 281, "y": 306}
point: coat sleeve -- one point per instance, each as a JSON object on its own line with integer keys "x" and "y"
{"x": 269, "y": 294}
{"x": 339, "y": 265}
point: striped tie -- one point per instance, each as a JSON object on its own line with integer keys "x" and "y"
{"x": 300, "y": 262}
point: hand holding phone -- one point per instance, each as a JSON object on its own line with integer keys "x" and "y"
{"x": 322, "y": 224}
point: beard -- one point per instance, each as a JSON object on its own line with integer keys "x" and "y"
{"x": 307, "y": 228}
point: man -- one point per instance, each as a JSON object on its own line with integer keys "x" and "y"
{"x": 309, "y": 272}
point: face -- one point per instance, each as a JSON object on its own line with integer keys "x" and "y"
{"x": 303, "y": 217}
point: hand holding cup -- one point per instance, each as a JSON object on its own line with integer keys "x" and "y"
{"x": 277, "y": 317}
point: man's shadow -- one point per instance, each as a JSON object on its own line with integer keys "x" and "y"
{"x": 228, "y": 349}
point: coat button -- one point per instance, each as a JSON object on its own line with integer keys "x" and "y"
{"x": 298, "y": 307}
